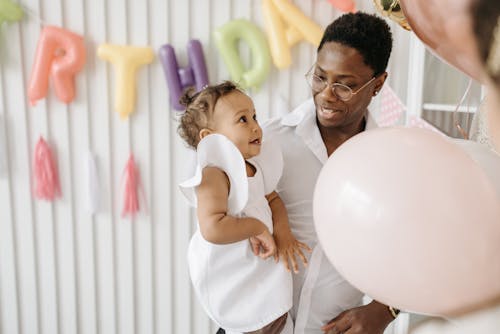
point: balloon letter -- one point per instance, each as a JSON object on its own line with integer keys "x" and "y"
{"x": 195, "y": 74}
{"x": 226, "y": 38}
{"x": 126, "y": 61}
{"x": 344, "y": 5}
{"x": 63, "y": 54}
{"x": 282, "y": 38}
{"x": 10, "y": 12}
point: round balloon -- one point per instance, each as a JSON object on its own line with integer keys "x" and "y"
{"x": 409, "y": 218}
{"x": 445, "y": 26}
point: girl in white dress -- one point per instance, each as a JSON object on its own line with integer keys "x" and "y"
{"x": 239, "y": 286}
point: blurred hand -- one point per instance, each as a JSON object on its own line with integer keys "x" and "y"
{"x": 372, "y": 318}
{"x": 288, "y": 248}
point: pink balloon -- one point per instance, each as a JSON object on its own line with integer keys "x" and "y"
{"x": 412, "y": 220}
{"x": 445, "y": 26}
{"x": 62, "y": 53}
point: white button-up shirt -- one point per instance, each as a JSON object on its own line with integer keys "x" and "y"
{"x": 320, "y": 293}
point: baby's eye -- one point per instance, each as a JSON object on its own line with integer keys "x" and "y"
{"x": 255, "y": 117}
{"x": 243, "y": 119}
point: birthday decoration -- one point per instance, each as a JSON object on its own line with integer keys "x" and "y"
{"x": 195, "y": 74}
{"x": 62, "y": 54}
{"x": 431, "y": 21}
{"x": 10, "y": 12}
{"x": 126, "y": 61}
{"x": 45, "y": 174}
{"x": 392, "y": 10}
{"x": 131, "y": 185}
{"x": 226, "y": 38}
{"x": 346, "y": 6}
{"x": 425, "y": 207}
{"x": 281, "y": 37}
{"x": 391, "y": 108}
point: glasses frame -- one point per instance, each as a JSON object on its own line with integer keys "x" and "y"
{"x": 310, "y": 74}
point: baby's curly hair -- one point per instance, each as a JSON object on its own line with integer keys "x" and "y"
{"x": 199, "y": 110}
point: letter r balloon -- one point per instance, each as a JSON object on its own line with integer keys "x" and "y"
{"x": 62, "y": 54}
{"x": 195, "y": 74}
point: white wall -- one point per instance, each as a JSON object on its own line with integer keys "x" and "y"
{"x": 63, "y": 270}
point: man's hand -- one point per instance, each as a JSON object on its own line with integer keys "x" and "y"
{"x": 288, "y": 248}
{"x": 372, "y": 318}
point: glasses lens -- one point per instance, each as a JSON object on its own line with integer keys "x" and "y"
{"x": 343, "y": 92}
{"x": 316, "y": 83}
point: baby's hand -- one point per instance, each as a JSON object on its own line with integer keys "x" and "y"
{"x": 288, "y": 247}
{"x": 263, "y": 245}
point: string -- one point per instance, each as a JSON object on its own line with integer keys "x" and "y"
{"x": 463, "y": 133}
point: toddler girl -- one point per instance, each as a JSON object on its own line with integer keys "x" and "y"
{"x": 238, "y": 213}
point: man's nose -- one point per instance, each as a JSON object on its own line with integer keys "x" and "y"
{"x": 328, "y": 94}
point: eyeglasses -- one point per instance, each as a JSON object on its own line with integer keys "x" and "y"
{"x": 341, "y": 91}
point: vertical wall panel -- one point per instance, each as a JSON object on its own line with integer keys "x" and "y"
{"x": 9, "y": 304}
{"x": 200, "y": 28}
{"x": 101, "y": 116}
{"x": 161, "y": 185}
{"x": 64, "y": 270}
{"x": 179, "y": 35}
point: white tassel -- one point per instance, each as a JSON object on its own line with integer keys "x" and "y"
{"x": 92, "y": 184}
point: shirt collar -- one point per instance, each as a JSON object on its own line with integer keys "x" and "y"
{"x": 304, "y": 119}
{"x": 304, "y": 110}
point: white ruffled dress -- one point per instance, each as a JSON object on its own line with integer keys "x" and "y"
{"x": 240, "y": 291}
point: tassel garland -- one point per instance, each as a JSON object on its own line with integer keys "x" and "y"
{"x": 131, "y": 185}
{"x": 45, "y": 174}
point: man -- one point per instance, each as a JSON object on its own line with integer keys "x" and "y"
{"x": 350, "y": 69}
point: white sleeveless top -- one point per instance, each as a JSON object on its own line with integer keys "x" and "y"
{"x": 240, "y": 291}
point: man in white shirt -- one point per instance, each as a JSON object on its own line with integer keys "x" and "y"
{"x": 350, "y": 69}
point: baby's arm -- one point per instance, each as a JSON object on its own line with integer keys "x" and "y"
{"x": 216, "y": 226}
{"x": 287, "y": 245}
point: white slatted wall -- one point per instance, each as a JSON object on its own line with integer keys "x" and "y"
{"x": 63, "y": 270}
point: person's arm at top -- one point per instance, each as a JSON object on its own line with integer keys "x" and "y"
{"x": 371, "y": 318}
{"x": 216, "y": 226}
{"x": 287, "y": 246}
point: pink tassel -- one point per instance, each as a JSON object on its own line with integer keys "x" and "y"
{"x": 45, "y": 175}
{"x": 131, "y": 184}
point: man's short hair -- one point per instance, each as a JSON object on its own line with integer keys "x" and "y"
{"x": 368, "y": 34}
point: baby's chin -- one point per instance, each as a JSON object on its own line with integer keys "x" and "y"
{"x": 252, "y": 154}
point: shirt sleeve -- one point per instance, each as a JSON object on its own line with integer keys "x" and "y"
{"x": 218, "y": 151}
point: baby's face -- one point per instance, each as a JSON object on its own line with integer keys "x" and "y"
{"x": 234, "y": 117}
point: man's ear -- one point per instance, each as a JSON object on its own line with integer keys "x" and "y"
{"x": 379, "y": 82}
{"x": 204, "y": 132}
